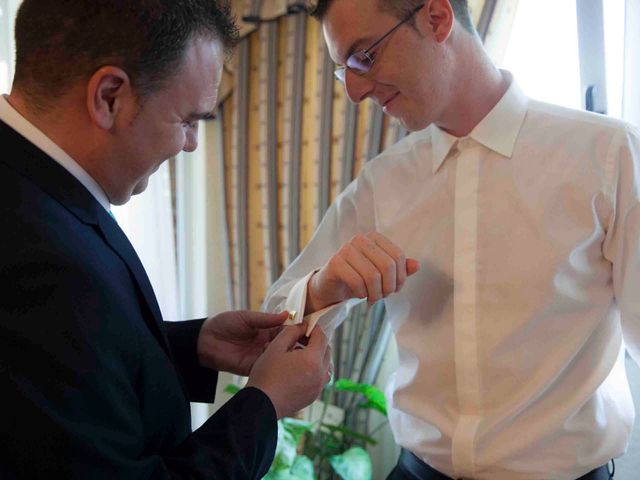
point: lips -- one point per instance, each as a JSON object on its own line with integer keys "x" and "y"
{"x": 386, "y": 103}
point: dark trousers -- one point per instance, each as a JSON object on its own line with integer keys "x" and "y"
{"x": 411, "y": 467}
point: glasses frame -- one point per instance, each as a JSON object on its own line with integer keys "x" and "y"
{"x": 364, "y": 58}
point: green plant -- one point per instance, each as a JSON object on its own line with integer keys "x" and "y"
{"x": 306, "y": 448}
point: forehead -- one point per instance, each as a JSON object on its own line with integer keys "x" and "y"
{"x": 349, "y": 25}
{"x": 198, "y": 78}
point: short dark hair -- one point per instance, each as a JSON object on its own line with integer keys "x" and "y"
{"x": 401, "y": 8}
{"x": 59, "y": 42}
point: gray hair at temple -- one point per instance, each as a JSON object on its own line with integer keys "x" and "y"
{"x": 401, "y": 8}
{"x": 59, "y": 42}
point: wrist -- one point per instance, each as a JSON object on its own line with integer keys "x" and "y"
{"x": 206, "y": 349}
{"x": 312, "y": 303}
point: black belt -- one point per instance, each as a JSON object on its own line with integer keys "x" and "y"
{"x": 415, "y": 467}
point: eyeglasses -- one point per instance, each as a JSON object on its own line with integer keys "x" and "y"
{"x": 361, "y": 61}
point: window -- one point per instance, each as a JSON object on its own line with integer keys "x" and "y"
{"x": 614, "y": 47}
{"x": 542, "y": 52}
{"x": 558, "y": 48}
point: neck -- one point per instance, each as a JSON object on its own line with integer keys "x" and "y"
{"x": 60, "y": 124}
{"x": 64, "y": 126}
{"x": 479, "y": 87}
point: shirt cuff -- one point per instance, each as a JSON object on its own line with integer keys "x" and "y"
{"x": 297, "y": 301}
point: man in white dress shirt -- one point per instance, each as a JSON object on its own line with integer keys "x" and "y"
{"x": 515, "y": 225}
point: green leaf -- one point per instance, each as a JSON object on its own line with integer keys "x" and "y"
{"x": 350, "y": 433}
{"x": 303, "y": 468}
{"x": 286, "y": 450}
{"x": 280, "y": 475}
{"x": 296, "y": 427}
{"x": 375, "y": 396}
{"x": 232, "y": 389}
{"x": 354, "y": 464}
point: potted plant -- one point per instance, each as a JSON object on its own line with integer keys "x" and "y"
{"x": 308, "y": 449}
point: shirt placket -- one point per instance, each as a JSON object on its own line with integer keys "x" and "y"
{"x": 465, "y": 306}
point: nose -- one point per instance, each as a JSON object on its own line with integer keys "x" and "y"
{"x": 191, "y": 140}
{"x": 358, "y": 87}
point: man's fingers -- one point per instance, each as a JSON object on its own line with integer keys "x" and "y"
{"x": 288, "y": 337}
{"x": 382, "y": 261}
{"x": 318, "y": 342}
{"x": 370, "y": 275}
{"x": 326, "y": 360}
{"x": 263, "y": 320}
{"x": 397, "y": 259}
{"x": 412, "y": 266}
{"x": 273, "y": 332}
{"x": 348, "y": 274}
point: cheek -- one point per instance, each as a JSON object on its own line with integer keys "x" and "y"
{"x": 177, "y": 141}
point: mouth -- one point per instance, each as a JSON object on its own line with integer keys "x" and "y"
{"x": 386, "y": 103}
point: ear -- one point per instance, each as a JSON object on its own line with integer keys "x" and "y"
{"x": 108, "y": 90}
{"x": 437, "y": 18}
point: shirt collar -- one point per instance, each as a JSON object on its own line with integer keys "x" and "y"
{"x": 15, "y": 120}
{"x": 498, "y": 130}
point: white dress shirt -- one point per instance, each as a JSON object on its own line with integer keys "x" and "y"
{"x": 510, "y": 337}
{"x": 15, "y": 120}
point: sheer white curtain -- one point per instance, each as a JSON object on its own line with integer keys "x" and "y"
{"x": 203, "y": 249}
{"x": 8, "y": 9}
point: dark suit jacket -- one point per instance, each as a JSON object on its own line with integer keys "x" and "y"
{"x": 94, "y": 385}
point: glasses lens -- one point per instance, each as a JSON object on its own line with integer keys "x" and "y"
{"x": 340, "y": 73}
{"x": 360, "y": 62}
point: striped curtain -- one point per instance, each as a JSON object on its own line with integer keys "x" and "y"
{"x": 292, "y": 139}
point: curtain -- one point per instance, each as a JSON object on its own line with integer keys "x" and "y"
{"x": 8, "y": 9}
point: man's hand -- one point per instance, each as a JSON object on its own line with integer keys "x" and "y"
{"x": 232, "y": 341}
{"x": 369, "y": 266}
{"x": 290, "y": 376}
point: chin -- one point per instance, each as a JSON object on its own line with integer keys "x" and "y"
{"x": 413, "y": 125}
{"x": 120, "y": 199}
{"x": 141, "y": 186}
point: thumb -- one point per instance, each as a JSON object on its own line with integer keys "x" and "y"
{"x": 288, "y": 338}
{"x": 412, "y": 266}
{"x": 262, "y": 320}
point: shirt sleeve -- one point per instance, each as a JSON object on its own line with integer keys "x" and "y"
{"x": 622, "y": 245}
{"x": 352, "y": 213}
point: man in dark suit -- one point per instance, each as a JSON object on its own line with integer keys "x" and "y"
{"x": 94, "y": 384}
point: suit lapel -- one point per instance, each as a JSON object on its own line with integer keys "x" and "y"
{"x": 118, "y": 241}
